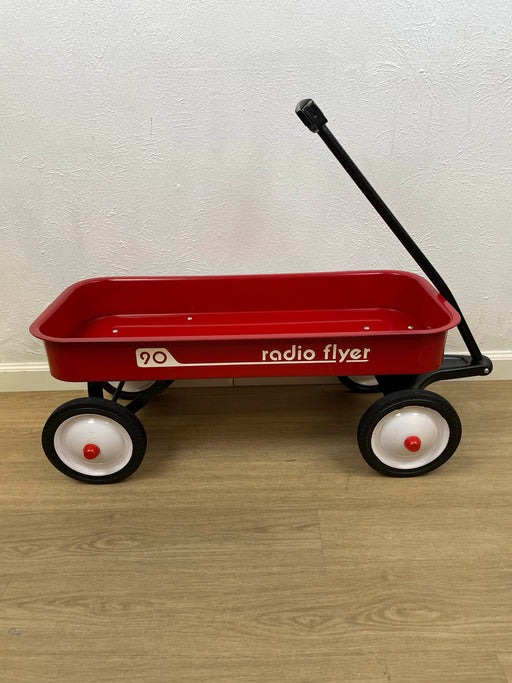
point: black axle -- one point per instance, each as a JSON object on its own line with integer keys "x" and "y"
{"x": 95, "y": 390}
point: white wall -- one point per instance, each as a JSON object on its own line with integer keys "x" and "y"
{"x": 160, "y": 138}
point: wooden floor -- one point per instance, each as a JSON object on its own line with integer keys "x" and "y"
{"x": 255, "y": 544}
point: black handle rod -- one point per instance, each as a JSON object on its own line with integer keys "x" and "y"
{"x": 312, "y": 117}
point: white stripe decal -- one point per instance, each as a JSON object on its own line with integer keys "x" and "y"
{"x": 163, "y": 358}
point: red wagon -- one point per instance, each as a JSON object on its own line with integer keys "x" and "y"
{"x": 381, "y": 331}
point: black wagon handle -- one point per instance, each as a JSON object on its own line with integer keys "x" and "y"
{"x": 312, "y": 117}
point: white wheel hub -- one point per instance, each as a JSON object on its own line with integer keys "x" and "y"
{"x": 410, "y": 437}
{"x": 87, "y": 430}
{"x": 364, "y": 380}
{"x": 135, "y": 386}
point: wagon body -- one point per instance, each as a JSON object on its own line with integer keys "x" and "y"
{"x": 377, "y": 331}
{"x": 344, "y": 323}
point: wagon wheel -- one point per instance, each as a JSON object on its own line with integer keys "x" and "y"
{"x": 130, "y": 390}
{"x": 408, "y": 433}
{"x": 361, "y": 384}
{"x": 94, "y": 440}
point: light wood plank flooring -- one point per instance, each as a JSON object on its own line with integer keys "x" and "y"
{"x": 255, "y": 545}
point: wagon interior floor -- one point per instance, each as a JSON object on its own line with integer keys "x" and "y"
{"x": 247, "y": 323}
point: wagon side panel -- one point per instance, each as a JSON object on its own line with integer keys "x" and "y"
{"x": 360, "y": 355}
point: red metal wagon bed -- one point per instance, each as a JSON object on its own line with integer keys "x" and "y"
{"x": 375, "y": 330}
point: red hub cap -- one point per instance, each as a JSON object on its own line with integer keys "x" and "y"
{"x": 413, "y": 443}
{"x": 91, "y": 451}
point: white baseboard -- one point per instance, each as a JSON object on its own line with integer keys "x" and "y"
{"x": 36, "y": 377}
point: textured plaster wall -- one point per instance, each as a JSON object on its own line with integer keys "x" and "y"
{"x": 160, "y": 138}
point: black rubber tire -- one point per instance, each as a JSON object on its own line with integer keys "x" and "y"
{"x": 401, "y": 399}
{"x": 358, "y": 388}
{"x": 98, "y": 406}
{"x": 123, "y": 395}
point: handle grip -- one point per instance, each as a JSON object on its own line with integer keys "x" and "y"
{"x": 311, "y": 115}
